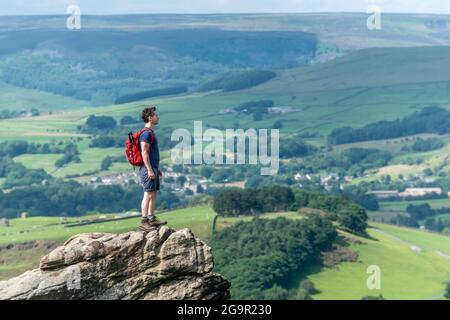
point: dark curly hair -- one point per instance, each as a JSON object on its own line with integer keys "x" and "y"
{"x": 148, "y": 112}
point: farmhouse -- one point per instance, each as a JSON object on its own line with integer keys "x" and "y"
{"x": 384, "y": 194}
{"x": 419, "y": 192}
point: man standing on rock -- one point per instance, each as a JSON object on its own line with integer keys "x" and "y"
{"x": 149, "y": 173}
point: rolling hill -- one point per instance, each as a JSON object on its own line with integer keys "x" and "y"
{"x": 360, "y": 88}
{"x": 112, "y": 56}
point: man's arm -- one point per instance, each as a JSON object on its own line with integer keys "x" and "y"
{"x": 145, "y": 147}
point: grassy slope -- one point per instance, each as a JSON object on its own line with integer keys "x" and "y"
{"x": 345, "y": 30}
{"x": 401, "y": 205}
{"x": 50, "y": 228}
{"x": 336, "y": 32}
{"x": 17, "y": 98}
{"x": 362, "y": 87}
{"x": 405, "y": 274}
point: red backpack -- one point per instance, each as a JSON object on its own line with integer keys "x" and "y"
{"x": 133, "y": 147}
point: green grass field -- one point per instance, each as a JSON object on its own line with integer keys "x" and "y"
{"x": 17, "y": 98}
{"x": 401, "y": 205}
{"x": 51, "y": 228}
{"x": 405, "y": 274}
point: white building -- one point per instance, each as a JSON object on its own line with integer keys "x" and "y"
{"x": 384, "y": 194}
{"x": 419, "y": 192}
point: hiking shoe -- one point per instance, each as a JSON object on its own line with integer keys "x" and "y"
{"x": 146, "y": 227}
{"x": 155, "y": 222}
{"x": 150, "y": 224}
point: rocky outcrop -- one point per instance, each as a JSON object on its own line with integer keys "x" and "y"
{"x": 161, "y": 264}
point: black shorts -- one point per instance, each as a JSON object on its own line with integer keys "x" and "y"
{"x": 148, "y": 184}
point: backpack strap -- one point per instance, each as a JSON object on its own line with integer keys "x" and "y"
{"x": 152, "y": 137}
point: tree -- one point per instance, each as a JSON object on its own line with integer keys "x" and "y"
{"x": 447, "y": 291}
{"x": 200, "y": 189}
{"x": 207, "y": 171}
{"x": 128, "y": 120}
{"x": 261, "y": 255}
{"x": 101, "y": 122}
{"x": 353, "y": 217}
{"x": 276, "y": 292}
{"x": 181, "y": 180}
{"x": 277, "y": 124}
{"x": 420, "y": 211}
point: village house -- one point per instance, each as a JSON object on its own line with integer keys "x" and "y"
{"x": 409, "y": 192}
{"x": 419, "y": 192}
{"x": 384, "y": 194}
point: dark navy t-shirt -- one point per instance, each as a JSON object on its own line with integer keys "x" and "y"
{"x": 154, "y": 150}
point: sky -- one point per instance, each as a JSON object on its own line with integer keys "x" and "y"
{"x": 38, "y": 7}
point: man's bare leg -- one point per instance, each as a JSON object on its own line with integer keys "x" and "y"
{"x": 145, "y": 204}
{"x": 152, "y": 204}
{"x": 151, "y": 209}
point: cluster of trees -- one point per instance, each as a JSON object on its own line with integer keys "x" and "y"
{"x": 422, "y": 145}
{"x": 9, "y": 114}
{"x": 253, "y": 106}
{"x": 126, "y": 120}
{"x": 256, "y": 108}
{"x": 353, "y": 161}
{"x": 16, "y": 148}
{"x": 261, "y": 256}
{"x": 420, "y": 211}
{"x": 432, "y": 119}
{"x": 348, "y": 214}
{"x": 150, "y": 94}
{"x": 71, "y": 154}
{"x": 107, "y": 141}
{"x": 17, "y": 175}
{"x": 360, "y": 196}
{"x": 295, "y": 147}
{"x": 109, "y": 160}
{"x": 407, "y": 221}
{"x": 59, "y": 198}
{"x": 236, "y": 201}
{"x": 437, "y": 225}
{"x": 100, "y": 122}
{"x": 423, "y": 212}
{"x": 231, "y": 81}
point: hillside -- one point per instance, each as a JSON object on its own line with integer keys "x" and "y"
{"x": 358, "y": 89}
{"x": 414, "y": 264}
{"x": 364, "y": 87}
{"x": 343, "y": 30}
{"x": 113, "y": 56}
